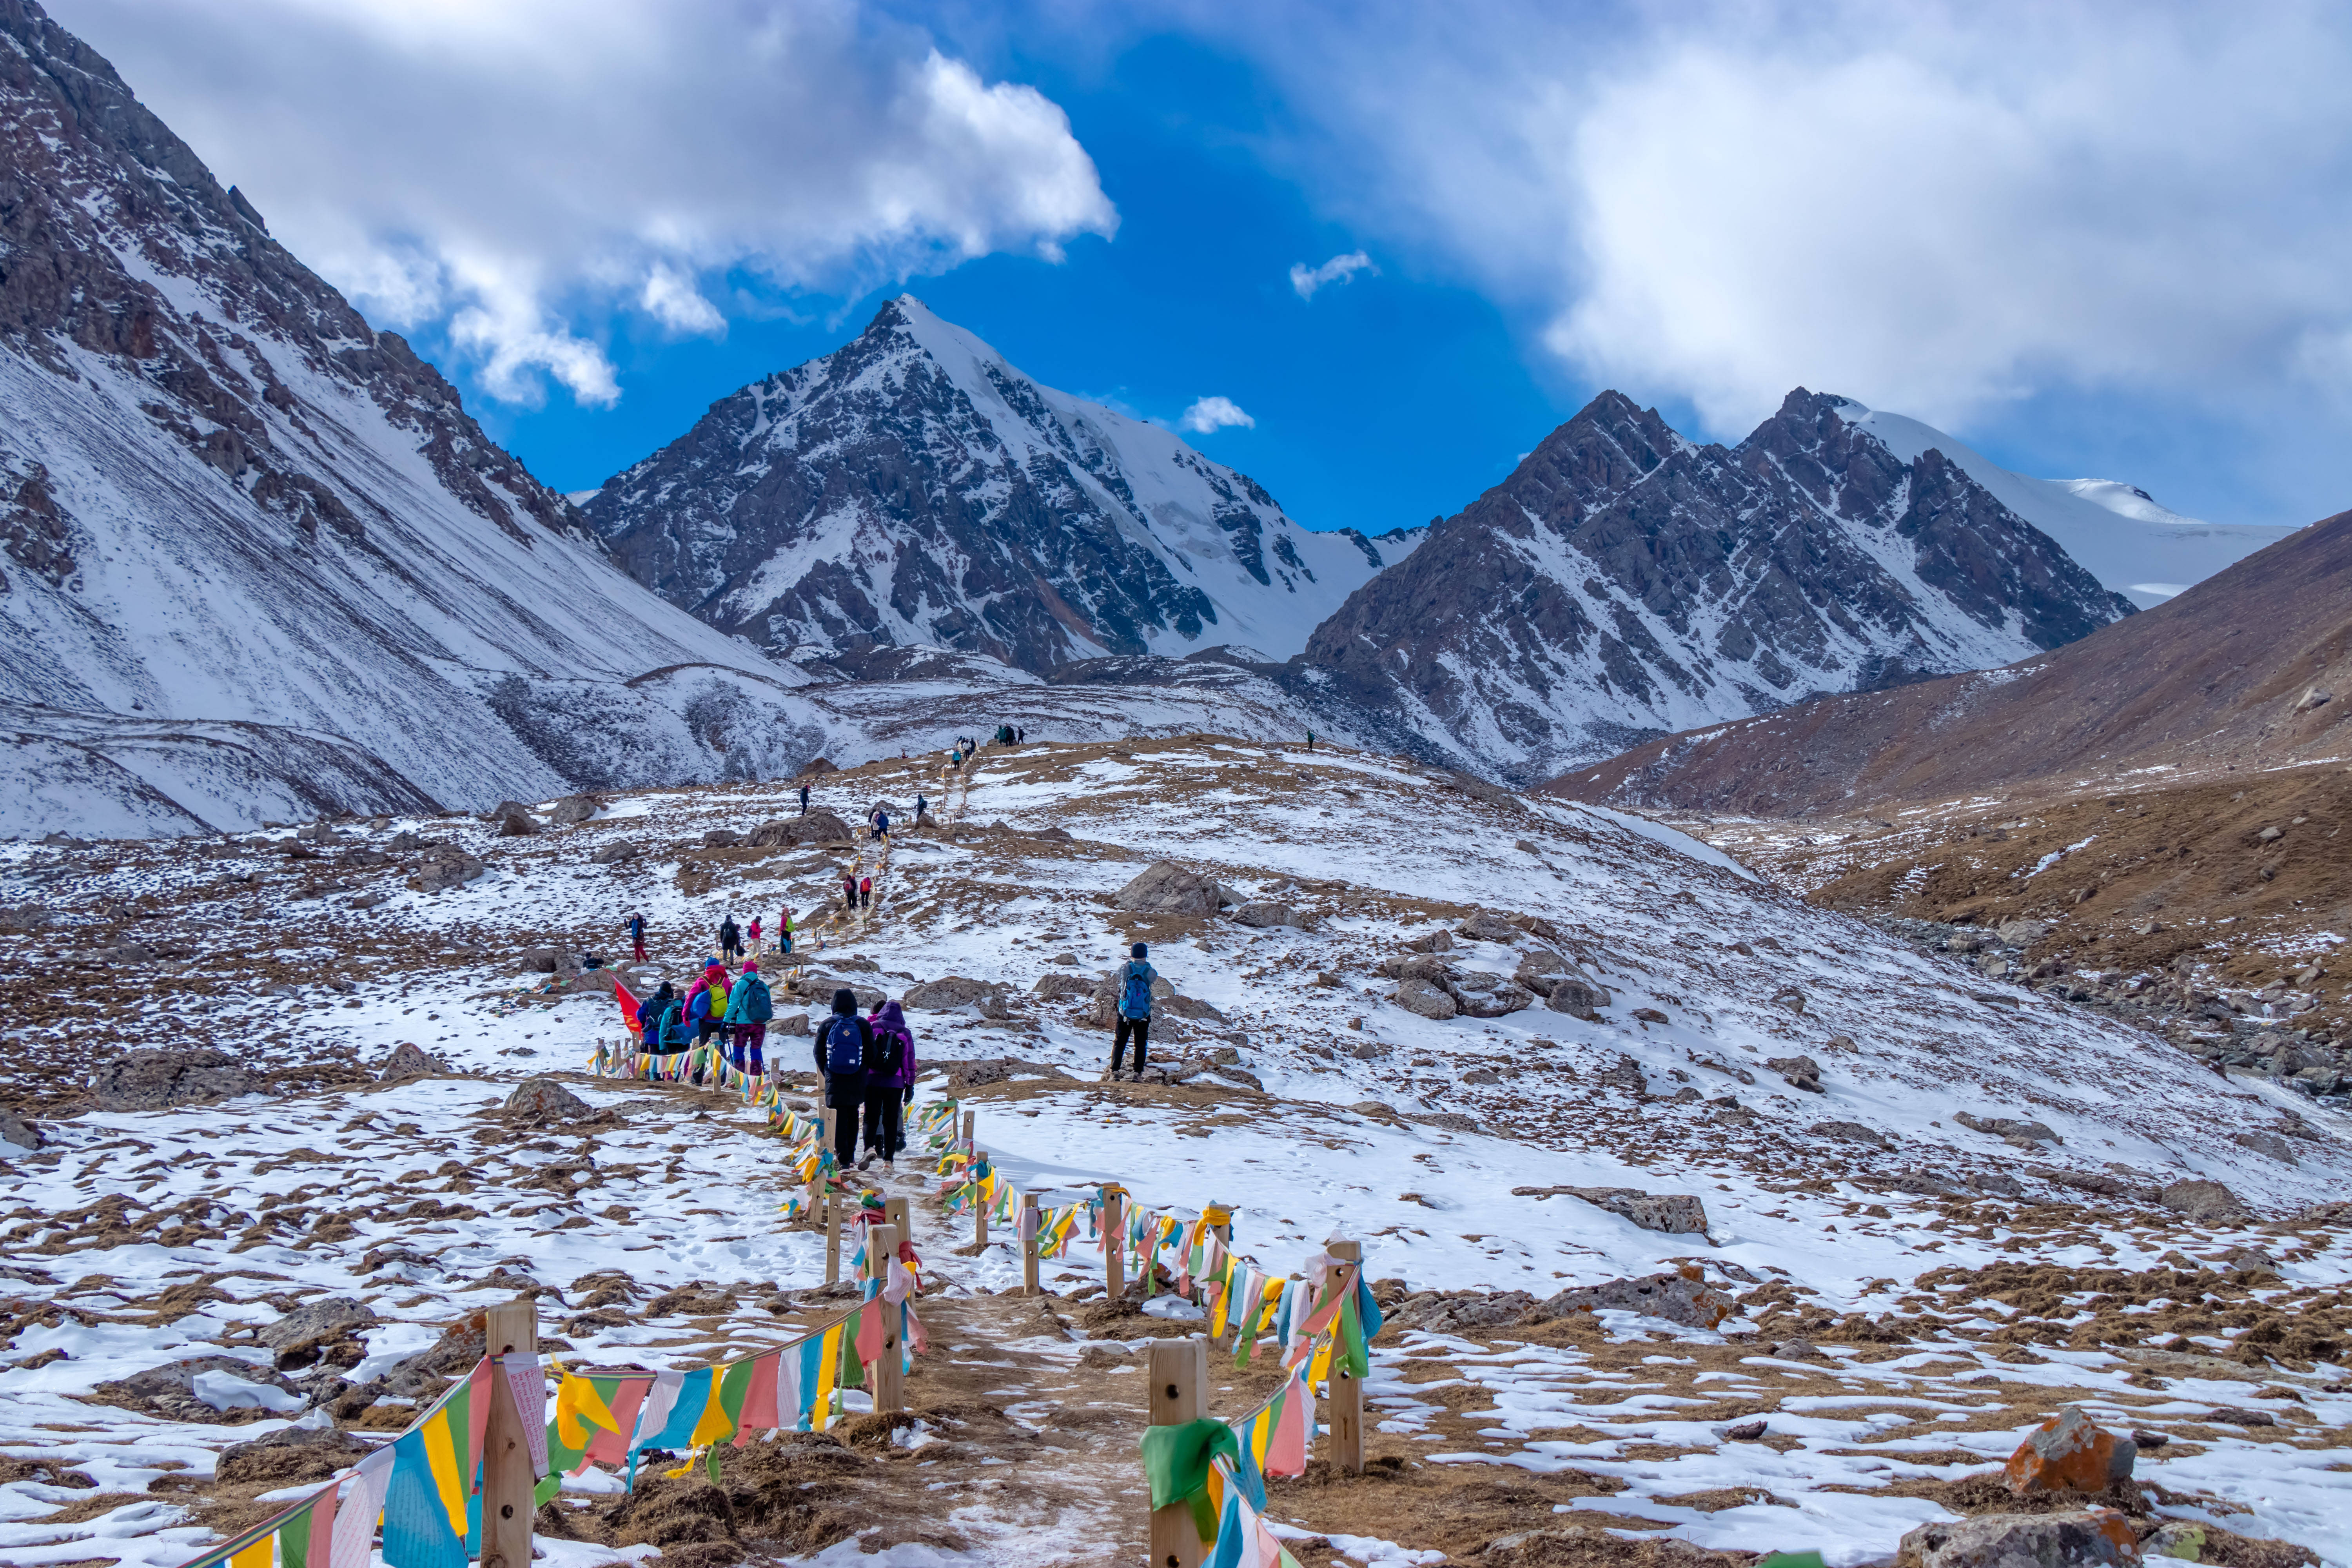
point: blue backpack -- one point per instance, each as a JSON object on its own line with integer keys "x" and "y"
{"x": 1135, "y": 997}
{"x": 845, "y": 1046}
{"x": 660, "y": 1028}
{"x": 758, "y": 1006}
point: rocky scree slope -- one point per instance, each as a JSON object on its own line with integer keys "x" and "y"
{"x": 2247, "y": 669}
{"x": 914, "y": 487}
{"x": 258, "y": 560}
{"x": 1624, "y": 581}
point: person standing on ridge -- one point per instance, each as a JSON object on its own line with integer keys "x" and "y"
{"x": 730, "y": 940}
{"x": 1310, "y": 739}
{"x": 881, "y": 826}
{"x": 636, "y": 929}
{"x": 784, "y": 932}
{"x": 803, "y": 800}
{"x": 843, "y": 1043}
{"x": 922, "y": 812}
{"x": 1135, "y": 978}
{"x": 889, "y": 1085}
{"x": 758, "y": 951}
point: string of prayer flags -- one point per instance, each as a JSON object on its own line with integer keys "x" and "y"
{"x": 300, "y": 1537}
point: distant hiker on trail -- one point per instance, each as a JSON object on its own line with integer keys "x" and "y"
{"x": 849, "y": 892}
{"x": 706, "y": 1011}
{"x": 865, "y": 892}
{"x": 889, "y": 1084}
{"x": 955, "y": 759}
{"x": 758, "y": 948}
{"x": 803, "y": 800}
{"x": 730, "y": 940}
{"x": 1135, "y": 978}
{"x": 1020, "y": 737}
{"x": 748, "y": 1008}
{"x": 1310, "y": 739}
{"x": 922, "y": 812}
{"x": 843, "y": 1043}
{"x": 636, "y": 929}
{"x": 881, "y": 826}
{"x": 784, "y": 932}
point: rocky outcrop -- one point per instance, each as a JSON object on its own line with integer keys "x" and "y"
{"x": 819, "y": 827}
{"x": 2070, "y": 1539}
{"x": 2207, "y": 1202}
{"x": 1164, "y": 888}
{"x": 1676, "y": 1295}
{"x": 1676, "y": 1214}
{"x": 154, "y": 1081}
{"x": 2070, "y": 1453}
{"x": 409, "y": 1060}
{"x": 542, "y": 1101}
{"x": 955, "y": 992}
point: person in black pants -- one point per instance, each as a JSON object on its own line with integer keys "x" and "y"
{"x": 1135, "y": 978}
{"x": 844, "y": 1042}
{"x": 730, "y": 940}
{"x": 803, "y": 800}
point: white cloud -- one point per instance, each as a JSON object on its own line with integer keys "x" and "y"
{"x": 1934, "y": 207}
{"x": 1305, "y": 279}
{"x": 1209, "y": 415}
{"x": 509, "y": 167}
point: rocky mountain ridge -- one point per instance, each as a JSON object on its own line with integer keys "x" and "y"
{"x": 1624, "y": 582}
{"x": 914, "y": 489}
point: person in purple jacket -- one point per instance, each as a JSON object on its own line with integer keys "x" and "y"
{"x": 889, "y": 1085}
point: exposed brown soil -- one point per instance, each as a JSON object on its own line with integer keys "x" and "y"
{"x": 2209, "y": 683}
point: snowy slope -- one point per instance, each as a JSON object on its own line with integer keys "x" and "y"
{"x": 914, "y": 489}
{"x": 2118, "y": 531}
{"x": 1625, "y": 582}
{"x": 236, "y": 504}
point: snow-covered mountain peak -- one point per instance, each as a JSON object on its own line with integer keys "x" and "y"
{"x": 914, "y": 489}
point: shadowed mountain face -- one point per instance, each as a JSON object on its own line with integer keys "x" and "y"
{"x": 1625, "y": 582}
{"x": 912, "y": 487}
{"x": 2250, "y": 669}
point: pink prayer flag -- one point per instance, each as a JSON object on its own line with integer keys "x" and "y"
{"x": 1285, "y": 1453}
{"x": 759, "y": 1401}
{"x": 477, "y": 1417}
{"x": 869, "y": 1331}
{"x": 613, "y": 1447}
{"x": 321, "y": 1552}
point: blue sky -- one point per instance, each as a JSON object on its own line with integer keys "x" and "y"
{"x": 2091, "y": 241}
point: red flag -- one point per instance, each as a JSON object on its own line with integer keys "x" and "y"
{"x": 628, "y": 1004}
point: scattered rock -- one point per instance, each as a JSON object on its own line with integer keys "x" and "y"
{"x": 1427, "y": 999}
{"x": 1624, "y": 1073}
{"x": 1453, "y": 1311}
{"x": 515, "y": 821}
{"x": 1482, "y": 994}
{"x": 2070, "y": 1453}
{"x": 154, "y": 1081}
{"x": 574, "y": 809}
{"x": 1851, "y": 1133}
{"x": 1676, "y": 1214}
{"x": 1165, "y": 888}
{"x": 1798, "y": 1072}
{"x": 721, "y": 839}
{"x": 1486, "y": 926}
{"x": 2269, "y": 1143}
{"x": 2237, "y": 1415}
{"x": 1745, "y": 1431}
{"x": 542, "y": 1101}
{"x": 444, "y": 866}
{"x": 2202, "y": 1200}
{"x": 2088, "y": 1539}
{"x": 613, "y": 851}
{"x": 1792, "y": 998}
{"x": 1374, "y": 1108}
{"x": 1678, "y": 1297}
{"x": 316, "y": 1329}
{"x": 2021, "y": 934}
{"x": 17, "y": 1132}
{"x": 1576, "y": 998}
{"x": 23, "y": 919}
{"x": 816, "y": 827}
{"x": 1265, "y": 912}
{"x": 954, "y": 992}
{"x": 370, "y": 899}
{"x": 2314, "y": 697}
{"x": 170, "y": 1390}
{"x": 2008, "y": 1127}
{"x": 1438, "y": 941}
{"x": 409, "y": 1060}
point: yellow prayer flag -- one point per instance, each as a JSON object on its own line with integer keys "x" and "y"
{"x": 256, "y": 1556}
{"x": 829, "y": 1364}
{"x": 441, "y": 1454}
{"x": 579, "y": 1408}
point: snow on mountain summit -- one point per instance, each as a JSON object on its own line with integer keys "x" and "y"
{"x": 913, "y": 488}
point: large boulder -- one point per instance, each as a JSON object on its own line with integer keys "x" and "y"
{"x": 289, "y": 1457}
{"x": 17, "y": 1132}
{"x": 1674, "y": 1214}
{"x": 2085, "y": 1539}
{"x": 212, "y": 1389}
{"x": 1482, "y": 994}
{"x": 573, "y": 809}
{"x": 410, "y": 1061}
{"x": 953, "y": 992}
{"x": 1576, "y": 998}
{"x": 2209, "y": 1202}
{"x": 1485, "y": 926}
{"x": 445, "y": 866}
{"x": 2013, "y": 1129}
{"x": 1425, "y": 997}
{"x": 543, "y": 1100}
{"x": 1165, "y": 888}
{"x": 2070, "y": 1453}
{"x": 515, "y": 820}
{"x": 1850, "y": 1133}
{"x": 327, "y": 1329}
{"x": 1677, "y": 1297}
{"x": 1798, "y": 1072}
{"x": 1265, "y": 912}
{"x": 1063, "y": 988}
{"x": 2021, "y": 934}
{"x": 155, "y": 1081}
{"x": 816, "y": 827}
{"x": 613, "y": 851}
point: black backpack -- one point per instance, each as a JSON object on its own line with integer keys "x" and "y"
{"x": 890, "y": 1050}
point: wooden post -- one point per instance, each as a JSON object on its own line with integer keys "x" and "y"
{"x": 969, "y": 1117}
{"x": 830, "y": 1115}
{"x": 1030, "y": 1220}
{"x": 1179, "y": 1377}
{"x": 1345, "y": 1449}
{"x": 831, "y": 1240}
{"x": 507, "y": 1480}
{"x": 896, "y": 1213}
{"x": 1113, "y": 1222}
{"x": 889, "y": 1367}
{"x": 978, "y": 1206}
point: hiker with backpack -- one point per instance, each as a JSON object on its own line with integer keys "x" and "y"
{"x": 1135, "y": 978}
{"x": 865, "y": 892}
{"x": 758, "y": 951}
{"x": 922, "y": 812}
{"x": 842, "y": 1044}
{"x": 730, "y": 940}
{"x": 661, "y": 1030}
{"x": 705, "y": 1012}
{"x": 881, "y": 826}
{"x": 748, "y": 1008}
{"x": 784, "y": 932}
{"x": 849, "y": 892}
{"x": 636, "y": 930}
{"x": 889, "y": 1085}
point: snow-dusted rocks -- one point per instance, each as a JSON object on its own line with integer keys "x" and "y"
{"x": 2070, "y": 1453}
{"x": 1625, "y": 582}
{"x": 1164, "y": 888}
{"x": 151, "y": 1080}
{"x": 409, "y": 1060}
{"x": 2072, "y": 1539}
{"x": 544, "y": 1100}
{"x": 912, "y": 487}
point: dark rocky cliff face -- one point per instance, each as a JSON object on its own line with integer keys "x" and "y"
{"x": 912, "y": 487}
{"x": 1625, "y": 582}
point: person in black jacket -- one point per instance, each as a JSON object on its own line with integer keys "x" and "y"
{"x": 730, "y": 940}
{"x": 845, "y": 1043}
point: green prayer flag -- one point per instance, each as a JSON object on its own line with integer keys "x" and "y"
{"x": 732, "y": 1387}
{"x": 294, "y": 1541}
{"x": 1176, "y": 1462}
{"x": 541, "y": 1495}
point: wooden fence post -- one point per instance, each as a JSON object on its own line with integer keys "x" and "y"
{"x": 1179, "y": 1377}
{"x": 970, "y": 1118}
{"x": 1030, "y": 1220}
{"x": 831, "y": 1240}
{"x": 508, "y": 1482}
{"x": 895, "y": 1212}
{"x": 1113, "y": 1222}
{"x": 1345, "y": 1450}
{"x": 889, "y": 1366}
{"x": 979, "y": 1205}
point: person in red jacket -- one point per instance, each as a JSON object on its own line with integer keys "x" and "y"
{"x": 865, "y": 892}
